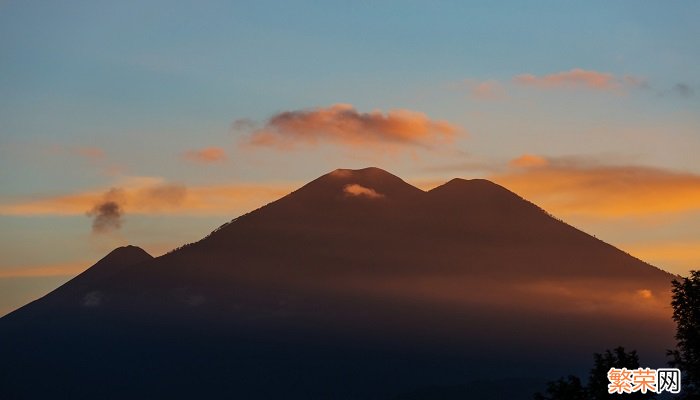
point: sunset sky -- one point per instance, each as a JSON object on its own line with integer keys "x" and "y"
{"x": 151, "y": 123}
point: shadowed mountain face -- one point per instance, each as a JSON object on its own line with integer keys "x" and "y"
{"x": 357, "y": 285}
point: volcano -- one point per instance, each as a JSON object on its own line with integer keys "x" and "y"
{"x": 356, "y": 285}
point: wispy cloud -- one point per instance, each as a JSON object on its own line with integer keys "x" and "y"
{"x": 576, "y": 78}
{"x": 581, "y": 186}
{"x": 486, "y": 90}
{"x": 343, "y": 124}
{"x": 59, "y": 269}
{"x": 529, "y": 161}
{"x": 207, "y": 155}
{"x": 89, "y": 152}
{"x": 680, "y": 253}
{"x": 683, "y": 90}
{"x": 579, "y": 78}
{"x": 357, "y": 190}
{"x": 151, "y": 196}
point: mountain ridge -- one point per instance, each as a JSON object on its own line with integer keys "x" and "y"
{"x": 464, "y": 274}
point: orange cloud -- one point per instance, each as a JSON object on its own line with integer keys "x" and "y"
{"x": 154, "y": 196}
{"x": 577, "y": 78}
{"x": 206, "y": 155}
{"x": 571, "y": 186}
{"x": 529, "y": 161}
{"x": 580, "y": 296}
{"x": 678, "y": 254}
{"x": 90, "y": 152}
{"x": 60, "y": 269}
{"x": 341, "y": 123}
{"x": 361, "y": 191}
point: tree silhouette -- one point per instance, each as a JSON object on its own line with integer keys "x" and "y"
{"x": 597, "y": 387}
{"x": 598, "y": 379}
{"x": 686, "y": 314}
{"x": 569, "y": 388}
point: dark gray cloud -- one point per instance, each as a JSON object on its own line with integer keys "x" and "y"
{"x": 680, "y": 89}
{"x": 108, "y": 215}
{"x": 683, "y": 90}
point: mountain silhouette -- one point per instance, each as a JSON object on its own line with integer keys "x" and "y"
{"x": 356, "y": 285}
{"x": 80, "y": 290}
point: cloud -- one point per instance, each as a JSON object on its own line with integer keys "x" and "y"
{"x": 207, "y": 155}
{"x": 487, "y": 90}
{"x": 680, "y": 89}
{"x": 243, "y": 125}
{"x": 587, "y": 187}
{"x": 683, "y": 90}
{"x": 107, "y": 215}
{"x": 357, "y": 190}
{"x": 92, "y": 154}
{"x": 89, "y": 152}
{"x": 162, "y": 195}
{"x": 635, "y": 81}
{"x": 342, "y": 124}
{"x": 529, "y": 161}
{"x": 153, "y": 196}
{"x": 576, "y": 78}
{"x": 677, "y": 254}
{"x": 579, "y": 296}
{"x": 579, "y": 78}
{"x": 29, "y": 271}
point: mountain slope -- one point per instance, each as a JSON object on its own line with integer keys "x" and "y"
{"x": 355, "y": 283}
{"x": 81, "y": 289}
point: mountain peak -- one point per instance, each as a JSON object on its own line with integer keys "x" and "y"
{"x": 471, "y": 187}
{"x": 363, "y": 174}
{"x": 376, "y": 181}
{"x": 72, "y": 292}
{"x": 460, "y": 182}
{"x": 128, "y": 254}
{"x": 116, "y": 260}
